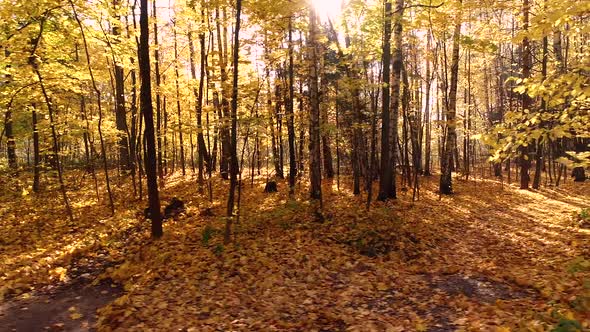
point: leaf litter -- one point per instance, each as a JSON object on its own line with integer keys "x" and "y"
{"x": 490, "y": 257}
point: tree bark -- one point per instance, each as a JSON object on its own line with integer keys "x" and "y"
{"x": 451, "y": 135}
{"x": 527, "y": 102}
{"x": 148, "y": 114}
{"x": 386, "y": 177}
{"x": 178, "y": 109}
{"x": 160, "y": 164}
{"x": 233, "y": 180}
{"x": 290, "y": 116}
{"x": 36, "y": 157}
{"x": 120, "y": 113}
{"x": 10, "y": 141}
{"x": 315, "y": 169}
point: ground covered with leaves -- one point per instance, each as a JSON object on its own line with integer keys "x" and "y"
{"x": 490, "y": 257}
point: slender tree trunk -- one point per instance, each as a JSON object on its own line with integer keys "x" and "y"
{"x": 203, "y": 155}
{"x": 158, "y": 97}
{"x": 290, "y": 116}
{"x": 34, "y": 62}
{"x": 120, "y": 113}
{"x": 427, "y": 121}
{"x": 134, "y": 144}
{"x": 387, "y": 170}
{"x": 467, "y": 118}
{"x": 148, "y": 113}
{"x": 315, "y": 169}
{"x": 527, "y": 102}
{"x": 10, "y": 141}
{"x": 224, "y": 162}
{"x": 326, "y": 149}
{"x": 100, "y": 114}
{"x": 539, "y": 159}
{"x": 178, "y": 109}
{"x": 233, "y": 181}
{"x": 36, "y": 157}
{"x": 451, "y": 135}
{"x": 88, "y": 146}
{"x": 277, "y": 132}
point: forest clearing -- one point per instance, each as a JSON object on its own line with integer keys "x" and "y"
{"x": 295, "y": 165}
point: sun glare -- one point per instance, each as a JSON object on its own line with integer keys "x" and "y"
{"x": 327, "y": 8}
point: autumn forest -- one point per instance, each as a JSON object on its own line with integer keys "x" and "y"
{"x": 295, "y": 165}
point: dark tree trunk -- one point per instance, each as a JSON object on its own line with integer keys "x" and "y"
{"x": 224, "y": 162}
{"x": 290, "y": 115}
{"x": 527, "y": 102}
{"x": 326, "y": 149}
{"x": 178, "y": 109}
{"x": 36, "y": 158}
{"x": 315, "y": 168}
{"x": 428, "y": 123}
{"x": 203, "y": 154}
{"x": 160, "y": 165}
{"x": 277, "y": 133}
{"x": 539, "y": 159}
{"x": 148, "y": 114}
{"x": 451, "y": 135}
{"x": 233, "y": 181}
{"x": 10, "y": 142}
{"x": 387, "y": 170}
{"x": 120, "y": 113}
{"x": 580, "y": 145}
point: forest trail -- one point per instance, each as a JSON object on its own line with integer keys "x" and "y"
{"x": 489, "y": 257}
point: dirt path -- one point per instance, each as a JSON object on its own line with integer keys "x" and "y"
{"x": 70, "y": 307}
{"x": 66, "y": 306}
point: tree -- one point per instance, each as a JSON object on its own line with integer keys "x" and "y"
{"x": 233, "y": 166}
{"x": 120, "y": 113}
{"x": 386, "y": 177}
{"x": 290, "y": 114}
{"x": 451, "y": 111}
{"x": 527, "y": 102}
{"x": 314, "y": 123}
{"x": 148, "y": 114}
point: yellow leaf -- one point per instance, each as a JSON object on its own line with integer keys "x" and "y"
{"x": 75, "y": 315}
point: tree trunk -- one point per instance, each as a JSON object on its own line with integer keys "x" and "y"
{"x": 539, "y": 159}
{"x": 233, "y": 181}
{"x": 203, "y": 154}
{"x": 120, "y": 114}
{"x": 326, "y": 149}
{"x": 387, "y": 169}
{"x": 451, "y": 136}
{"x": 224, "y": 162}
{"x": 178, "y": 109}
{"x": 160, "y": 165}
{"x": 527, "y": 102}
{"x": 36, "y": 158}
{"x": 290, "y": 115}
{"x": 34, "y": 62}
{"x": 148, "y": 114}
{"x": 428, "y": 123}
{"x": 10, "y": 142}
{"x": 315, "y": 171}
{"x": 100, "y": 113}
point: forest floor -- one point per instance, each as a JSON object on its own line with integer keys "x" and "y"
{"x": 488, "y": 258}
